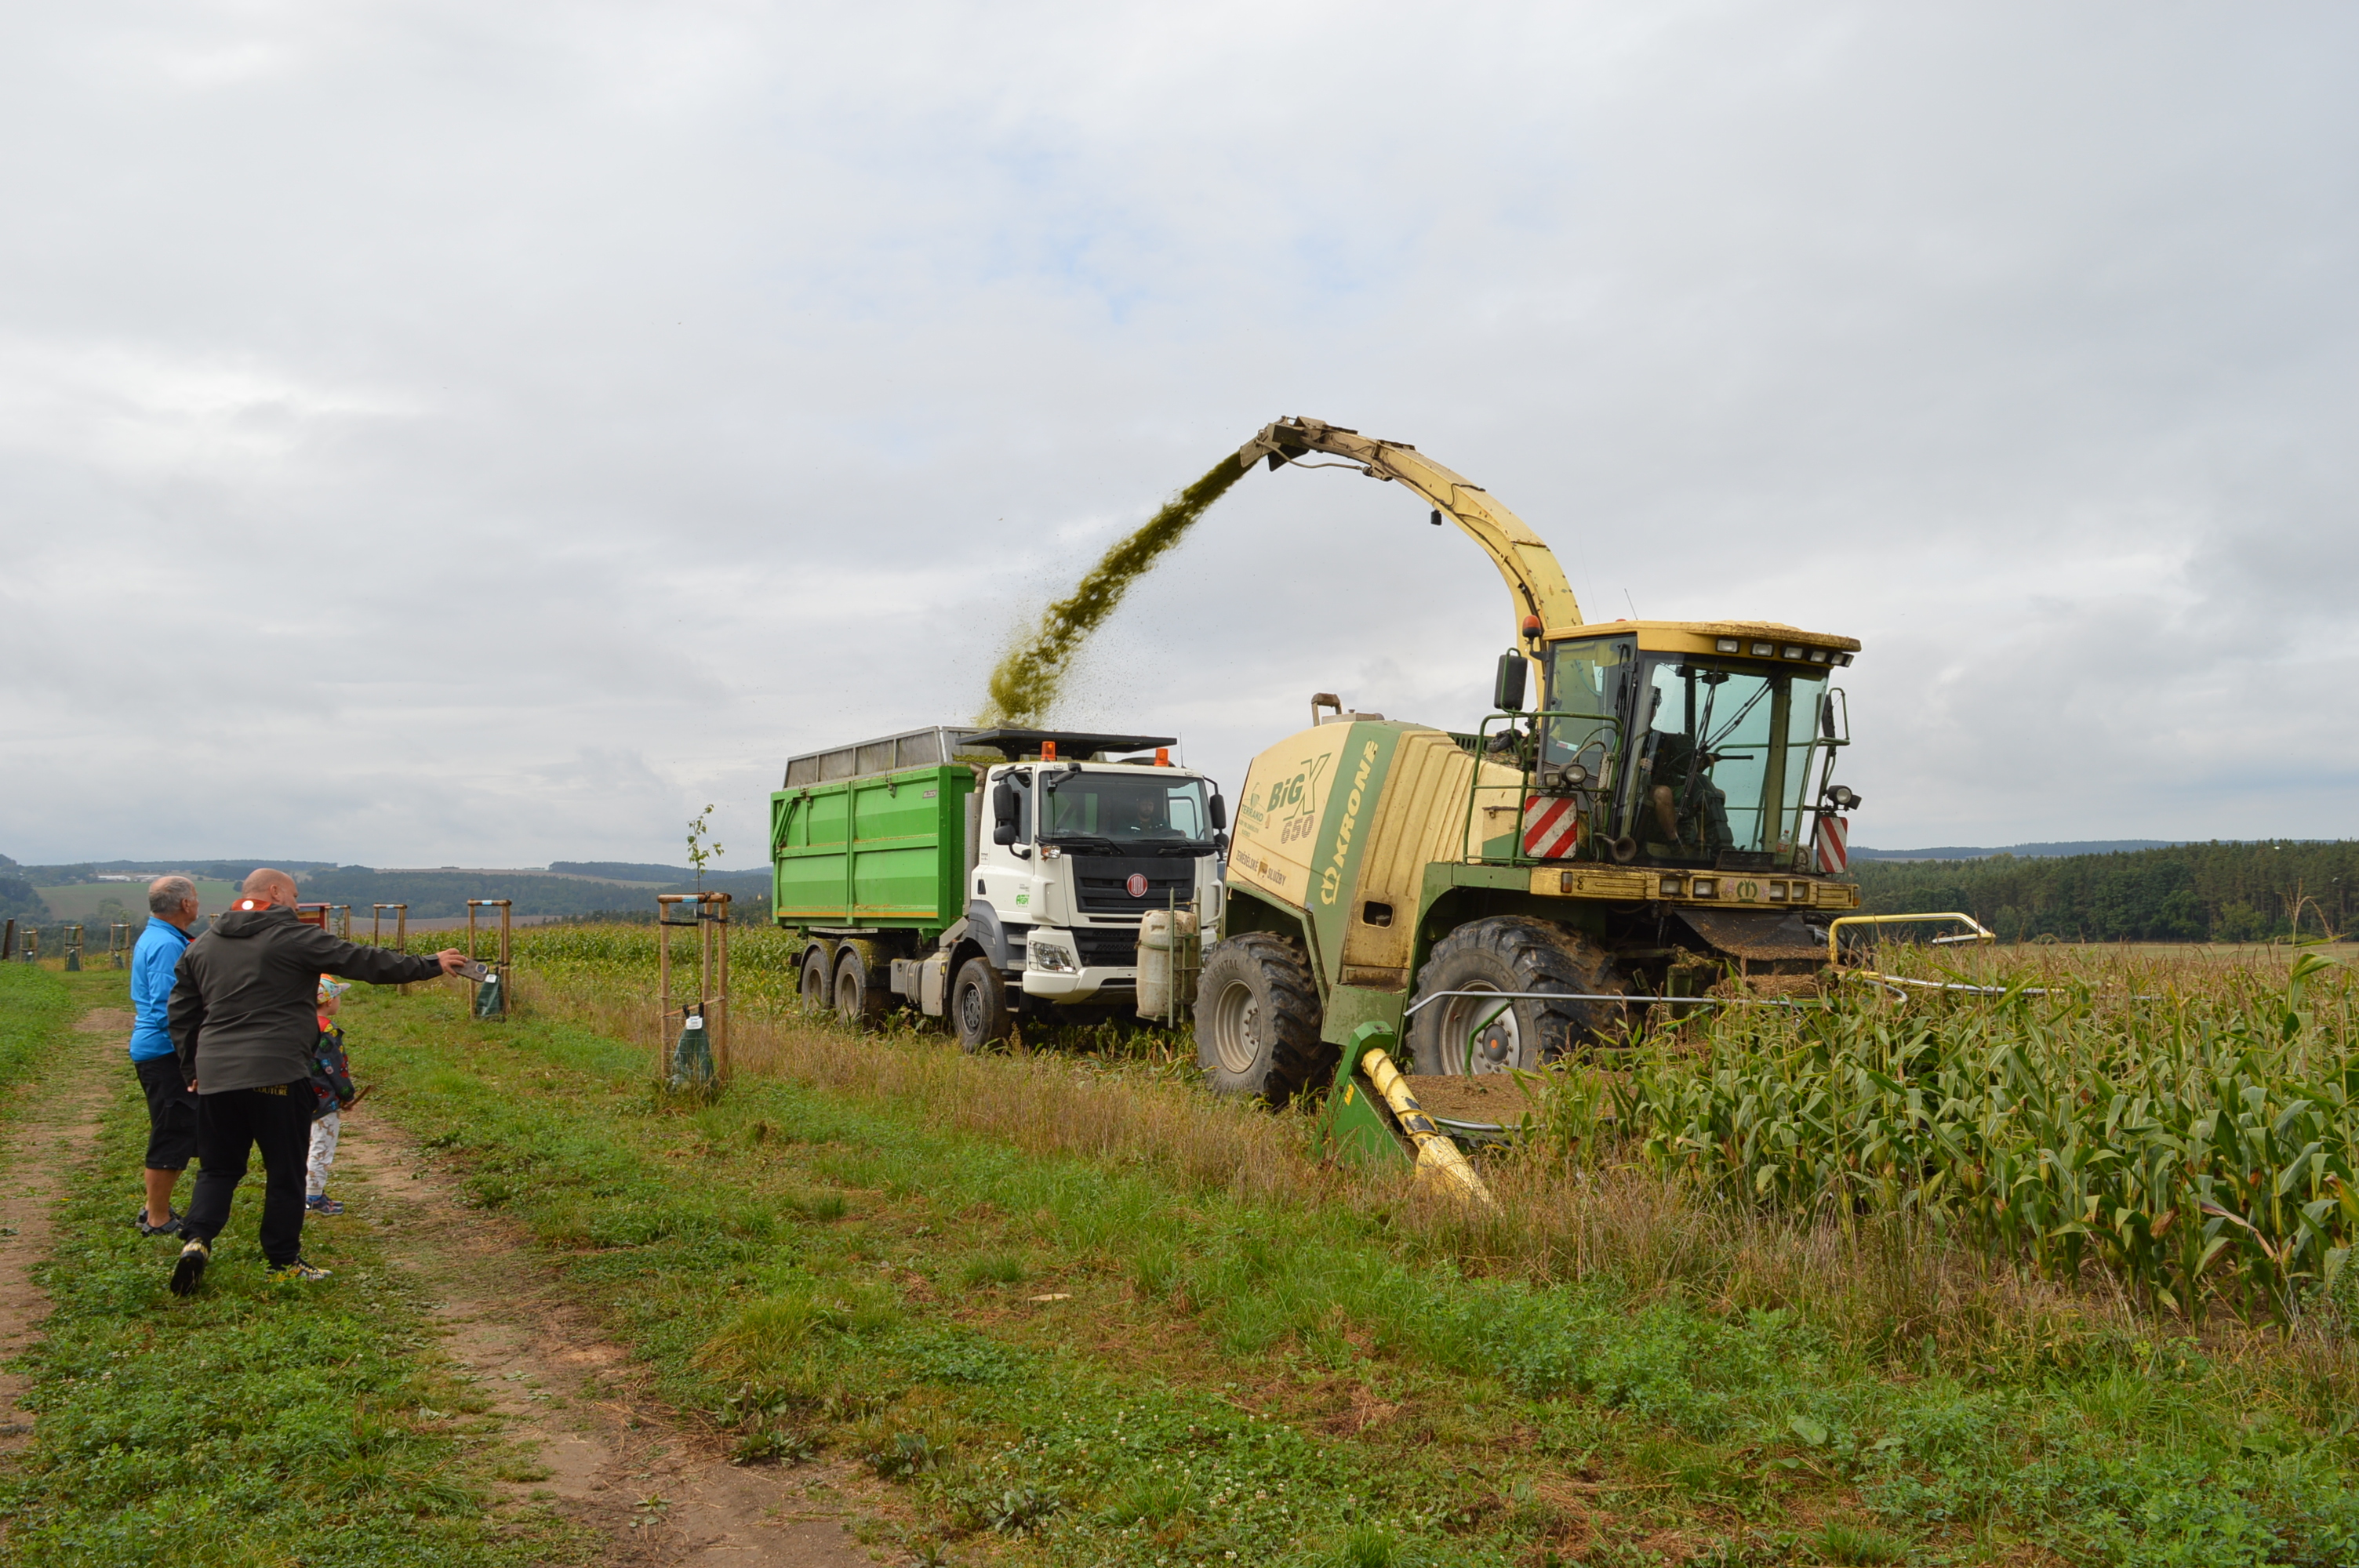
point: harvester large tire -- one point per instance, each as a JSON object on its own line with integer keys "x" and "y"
{"x": 1258, "y": 1019}
{"x": 978, "y": 1007}
{"x": 1510, "y": 953}
{"x": 859, "y": 1000}
{"x": 818, "y": 989}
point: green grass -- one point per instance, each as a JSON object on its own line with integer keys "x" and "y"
{"x": 36, "y": 1012}
{"x": 254, "y": 1423}
{"x": 1289, "y": 1382}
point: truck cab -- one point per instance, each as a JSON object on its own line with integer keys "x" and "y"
{"x": 1074, "y": 855}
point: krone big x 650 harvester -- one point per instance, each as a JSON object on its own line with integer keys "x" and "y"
{"x": 1662, "y": 820}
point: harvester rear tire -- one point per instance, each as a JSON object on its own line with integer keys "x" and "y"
{"x": 1257, "y": 1020}
{"x": 1512, "y": 953}
{"x": 818, "y": 981}
{"x": 978, "y": 1010}
{"x": 859, "y": 1000}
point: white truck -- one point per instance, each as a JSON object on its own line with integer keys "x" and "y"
{"x": 985, "y": 875}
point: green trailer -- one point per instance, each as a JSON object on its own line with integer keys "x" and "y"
{"x": 875, "y": 837}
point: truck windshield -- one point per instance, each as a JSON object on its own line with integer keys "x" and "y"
{"x": 1118, "y": 813}
{"x": 1720, "y": 762}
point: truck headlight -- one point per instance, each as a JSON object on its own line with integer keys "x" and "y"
{"x": 1051, "y": 958}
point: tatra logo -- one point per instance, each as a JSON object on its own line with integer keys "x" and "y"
{"x": 1136, "y": 885}
{"x": 1330, "y": 876}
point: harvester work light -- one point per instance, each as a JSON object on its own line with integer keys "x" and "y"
{"x": 1725, "y": 645}
{"x": 1762, "y": 650}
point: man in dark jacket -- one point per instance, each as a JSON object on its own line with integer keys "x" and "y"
{"x": 243, "y": 1021}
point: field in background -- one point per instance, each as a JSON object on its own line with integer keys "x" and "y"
{"x": 81, "y": 901}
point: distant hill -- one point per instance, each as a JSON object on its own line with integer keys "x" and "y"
{"x": 208, "y": 870}
{"x": 625, "y": 870}
{"x": 571, "y": 888}
{"x": 2178, "y": 892}
{"x": 2022, "y": 851}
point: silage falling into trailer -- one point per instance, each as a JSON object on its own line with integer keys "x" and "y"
{"x": 1025, "y": 682}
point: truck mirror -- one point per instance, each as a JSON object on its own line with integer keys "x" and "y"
{"x": 1220, "y": 811}
{"x": 1507, "y": 692}
{"x": 1003, "y": 812}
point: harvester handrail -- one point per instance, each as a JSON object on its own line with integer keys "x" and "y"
{"x": 1422, "y": 1002}
{"x": 1976, "y": 931}
{"x": 1527, "y": 774}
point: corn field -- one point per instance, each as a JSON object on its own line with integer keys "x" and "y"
{"x": 2186, "y": 1125}
{"x": 2189, "y": 1127}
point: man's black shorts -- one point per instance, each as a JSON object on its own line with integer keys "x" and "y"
{"x": 171, "y": 1114}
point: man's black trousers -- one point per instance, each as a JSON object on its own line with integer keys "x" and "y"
{"x": 276, "y": 1120}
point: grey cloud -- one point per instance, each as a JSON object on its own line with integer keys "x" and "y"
{"x": 552, "y": 417}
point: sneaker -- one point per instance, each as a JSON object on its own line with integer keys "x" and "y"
{"x": 189, "y": 1271}
{"x": 172, "y": 1226}
{"x": 299, "y": 1272}
{"x": 323, "y": 1203}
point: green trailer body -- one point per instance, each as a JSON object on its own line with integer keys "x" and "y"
{"x": 883, "y": 849}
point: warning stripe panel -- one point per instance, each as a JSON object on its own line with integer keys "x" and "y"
{"x": 1552, "y": 827}
{"x": 1832, "y": 841}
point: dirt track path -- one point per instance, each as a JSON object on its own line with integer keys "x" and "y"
{"x": 59, "y": 1122}
{"x": 617, "y": 1461}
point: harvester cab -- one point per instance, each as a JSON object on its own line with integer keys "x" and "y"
{"x": 1650, "y": 810}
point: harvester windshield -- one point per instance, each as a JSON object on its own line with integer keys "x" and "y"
{"x": 1112, "y": 812}
{"x": 1719, "y": 750}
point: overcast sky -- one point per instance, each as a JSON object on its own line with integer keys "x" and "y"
{"x": 483, "y": 434}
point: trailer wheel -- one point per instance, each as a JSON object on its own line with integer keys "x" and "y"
{"x": 978, "y": 1006}
{"x": 859, "y": 1000}
{"x": 1258, "y": 1019}
{"x": 1509, "y": 953}
{"x": 818, "y": 980}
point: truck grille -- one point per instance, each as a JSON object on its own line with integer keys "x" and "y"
{"x": 1108, "y": 947}
{"x": 1103, "y": 887}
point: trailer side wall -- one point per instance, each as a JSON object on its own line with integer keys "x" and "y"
{"x": 888, "y": 850}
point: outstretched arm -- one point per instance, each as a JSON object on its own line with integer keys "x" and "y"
{"x": 377, "y": 966}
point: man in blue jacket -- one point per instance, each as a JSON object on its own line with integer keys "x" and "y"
{"x": 171, "y": 1108}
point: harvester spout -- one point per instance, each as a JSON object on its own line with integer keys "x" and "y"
{"x": 1535, "y": 581}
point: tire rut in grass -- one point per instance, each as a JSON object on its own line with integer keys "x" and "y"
{"x": 614, "y": 1459}
{"x": 57, "y": 1124}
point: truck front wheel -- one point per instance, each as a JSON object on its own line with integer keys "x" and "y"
{"x": 1258, "y": 1019}
{"x": 1483, "y": 1033}
{"x": 978, "y": 1006}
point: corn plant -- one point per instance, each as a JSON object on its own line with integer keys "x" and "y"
{"x": 2197, "y": 1142}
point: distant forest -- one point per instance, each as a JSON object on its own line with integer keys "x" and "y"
{"x": 2189, "y": 893}
{"x": 429, "y": 895}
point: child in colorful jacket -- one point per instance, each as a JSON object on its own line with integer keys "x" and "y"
{"x": 332, "y": 1092}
